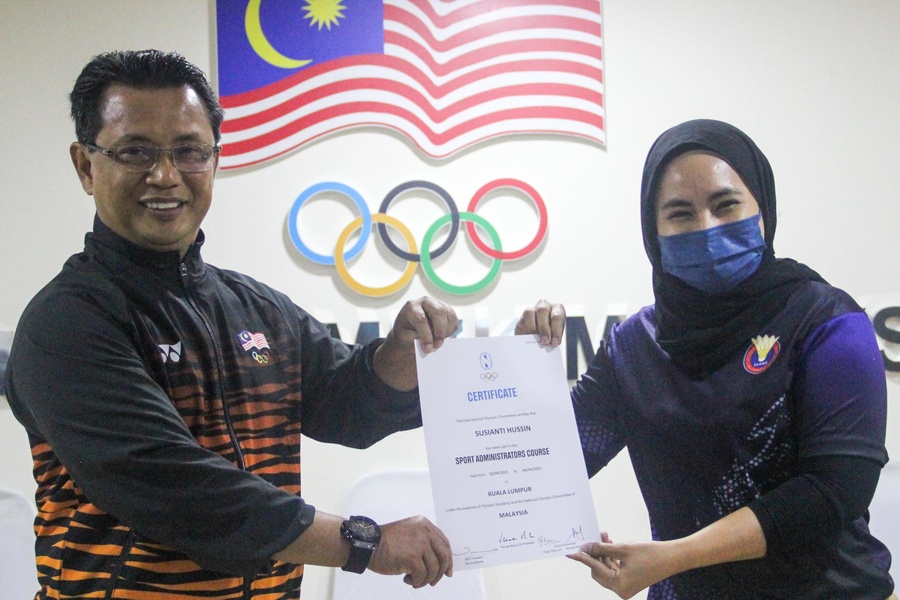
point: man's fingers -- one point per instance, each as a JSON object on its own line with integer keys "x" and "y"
{"x": 442, "y": 320}
{"x": 428, "y": 320}
{"x": 416, "y": 548}
{"x": 414, "y": 320}
{"x": 415, "y": 576}
{"x": 444, "y": 555}
{"x": 433, "y": 571}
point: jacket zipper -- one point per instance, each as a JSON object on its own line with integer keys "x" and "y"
{"x": 218, "y": 355}
{"x": 120, "y": 563}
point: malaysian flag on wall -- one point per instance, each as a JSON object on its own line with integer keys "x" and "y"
{"x": 445, "y": 73}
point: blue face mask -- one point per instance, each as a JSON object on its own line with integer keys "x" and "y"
{"x": 714, "y": 260}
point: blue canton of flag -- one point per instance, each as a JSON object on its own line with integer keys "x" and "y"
{"x": 253, "y": 340}
{"x": 259, "y": 41}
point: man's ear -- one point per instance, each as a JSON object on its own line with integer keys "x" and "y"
{"x": 82, "y": 162}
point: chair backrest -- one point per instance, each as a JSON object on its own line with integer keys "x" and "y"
{"x": 883, "y": 512}
{"x": 18, "y": 573}
{"x": 389, "y": 496}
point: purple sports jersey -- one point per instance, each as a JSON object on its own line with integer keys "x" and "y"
{"x": 810, "y": 383}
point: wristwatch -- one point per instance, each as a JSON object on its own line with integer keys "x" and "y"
{"x": 364, "y": 535}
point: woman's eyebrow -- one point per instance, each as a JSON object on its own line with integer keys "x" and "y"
{"x": 723, "y": 192}
{"x": 675, "y": 203}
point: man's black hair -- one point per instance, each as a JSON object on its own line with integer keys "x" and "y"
{"x": 146, "y": 69}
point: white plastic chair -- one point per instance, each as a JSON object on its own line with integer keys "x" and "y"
{"x": 883, "y": 509}
{"x": 18, "y": 573}
{"x": 388, "y": 496}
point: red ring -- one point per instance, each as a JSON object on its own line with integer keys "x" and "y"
{"x": 538, "y": 202}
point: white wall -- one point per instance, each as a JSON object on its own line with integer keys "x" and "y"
{"x": 814, "y": 83}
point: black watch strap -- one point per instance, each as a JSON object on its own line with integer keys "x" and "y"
{"x": 359, "y": 557}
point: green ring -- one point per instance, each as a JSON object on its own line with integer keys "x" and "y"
{"x": 426, "y": 255}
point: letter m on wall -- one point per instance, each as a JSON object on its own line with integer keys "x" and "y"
{"x": 578, "y": 337}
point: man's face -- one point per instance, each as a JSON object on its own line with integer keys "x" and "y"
{"x": 162, "y": 208}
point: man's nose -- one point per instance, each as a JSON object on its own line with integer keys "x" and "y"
{"x": 164, "y": 172}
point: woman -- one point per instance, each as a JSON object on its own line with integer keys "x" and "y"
{"x": 751, "y": 397}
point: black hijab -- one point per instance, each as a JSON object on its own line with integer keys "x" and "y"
{"x": 701, "y": 331}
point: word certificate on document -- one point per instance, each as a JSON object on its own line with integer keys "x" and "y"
{"x": 507, "y": 472}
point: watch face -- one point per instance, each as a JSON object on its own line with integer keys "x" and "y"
{"x": 363, "y": 529}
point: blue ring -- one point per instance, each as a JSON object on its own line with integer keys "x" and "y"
{"x": 423, "y": 185}
{"x": 330, "y": 186}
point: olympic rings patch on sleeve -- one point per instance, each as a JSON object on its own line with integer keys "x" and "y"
{"x": 492, "y": 247}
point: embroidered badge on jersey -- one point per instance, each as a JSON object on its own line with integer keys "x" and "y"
{"x": 252, "y": 340}
{"x": 762, "y": 352}
{"x": 170, "y": 352}
{"x": 255, "y": 340}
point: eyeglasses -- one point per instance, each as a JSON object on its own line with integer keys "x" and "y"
{"x": 188, "y": 158}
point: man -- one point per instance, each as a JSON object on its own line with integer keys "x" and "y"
{"x": 164, "y": 397}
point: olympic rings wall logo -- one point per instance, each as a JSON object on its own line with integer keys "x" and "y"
{"x": 342, "y": 254}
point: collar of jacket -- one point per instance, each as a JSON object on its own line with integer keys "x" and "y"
{"x": 166, "y": 265}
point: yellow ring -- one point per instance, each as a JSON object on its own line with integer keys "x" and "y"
{"x": 359, "y": 288}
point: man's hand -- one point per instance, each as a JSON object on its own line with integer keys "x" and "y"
{"x": 416, "y": 548}
{"x": 546, "y": 320}
{"x": 426, "y": 319}
{"x": 413, "y": 547}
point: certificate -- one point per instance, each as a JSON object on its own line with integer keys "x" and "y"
{"x": 507, "y": 472}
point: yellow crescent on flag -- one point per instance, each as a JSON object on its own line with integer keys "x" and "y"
{"x": 261, "y": 45}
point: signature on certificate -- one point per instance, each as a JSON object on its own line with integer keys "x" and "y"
{"x": 477, "y": 553}
{"x": 525, "y": 535}
{"x": 576, "y": 535}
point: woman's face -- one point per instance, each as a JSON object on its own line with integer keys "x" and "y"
{"x": 698, "y": 191}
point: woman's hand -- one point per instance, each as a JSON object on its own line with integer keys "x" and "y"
{"x": 626, "y": 569}
{"x": 546, "y": 320}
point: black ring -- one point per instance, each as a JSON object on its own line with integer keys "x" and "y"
{"x": 424, "y": 185}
